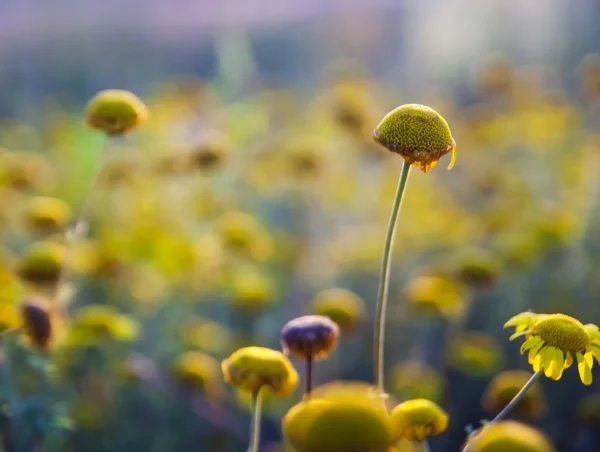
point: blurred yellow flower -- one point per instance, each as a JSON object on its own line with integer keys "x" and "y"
{"x": 418, "y": 419}
{"x": 434, "y": 295}
{"x": 197, "y": 371}
{"x": 476, "y": 353}
{"x": 94, "y": 323}
{"x": 46, "y": 215}
{"x": 342, "y": 306}
{"x": 508, "y": 436}
{"x": 115, "y": 111}
{"x": 505, "y": 386}
{"x": 415, "y": 380}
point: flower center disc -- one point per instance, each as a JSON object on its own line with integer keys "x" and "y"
{"x": 563, "y": 332}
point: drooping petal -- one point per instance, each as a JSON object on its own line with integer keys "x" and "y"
{"x": 453, "y": 160}
{"x": 589, "y": 359}
{"x": 560, "y": 364}
{"x": 517, "y": 334}
{"x": 585, "y": 373}
{"x": 531, "y": 342}
{"x": 568, "y": 360}
{"x": 596, "y": 353}
{"x": 549, "y": 360}
{"x": 524, "y": 318}
{"x": 534, "y": 351}
{"x": 537, "y": 362}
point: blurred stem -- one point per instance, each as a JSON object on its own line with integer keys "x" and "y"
{"x": 256, "y": 419}
{"x": 309, "y": 374}
{"x": 384, "y": 277}
{"x": 425, "y": 445}
{"x": 79, "y": 229}
{"x": 517, "y": 398}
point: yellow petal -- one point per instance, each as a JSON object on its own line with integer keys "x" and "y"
{"x": 589, "y": 359}
{"x": 549, "y": 360}
{"x": 537, "y": 362}
{"x": 534, "y": 351}
{"x": 568, "y": 360}
{"x": 559, "y": 365}
{"x": 531, "y": 342}
{"x": 524, "y": 318}
{"x": 596, "y": 352}
{"x": 585, "y": 373}
{"x": 453, "y": 159}
{"x": 516, "y": 335}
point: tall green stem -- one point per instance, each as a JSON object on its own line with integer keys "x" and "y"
{"x": 517, "y": 398}
{"x": 384, "y": 277}
{"x": 256, "y": 419}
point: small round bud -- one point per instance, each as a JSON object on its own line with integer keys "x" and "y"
{"x": 115, "y": 111}
{"x": 418, "y": 133}
{"x": 419, "y": 419}
{"x": 37, "y": 322}
{"x": 342, "y": 306}
{"x": 310, "y": 336}
{"x": 251, "y": 368}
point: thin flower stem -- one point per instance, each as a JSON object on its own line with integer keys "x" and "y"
{"x": 517, "y": 398}
{"x": 384, "y": 277}
{"x": 425, "y": 445}
{"x": 256, "y": 420}
{"x": 78, "y": 231}
{"x": 309, "y": 375}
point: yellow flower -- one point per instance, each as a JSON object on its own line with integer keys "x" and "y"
{"x": 251, "y": 368}
{"x": 42, "y": 263}
{"x": 508, "y": 436}
{"x": 197, "y": 371}
{"x": 252, "y": 289}
{"x": 94, "y": 323}
{"x": 476, "y": 353}
{"x": 207, "y": 336}
{"x": 340, "y": 417}
{"x": 418, "y": 133}
{"x": 419, "y": 419}
{"x": 554, "y": 339}
{"x": 243, "y": 233}
{"x": 477, "y": 268}
{"x": 209, "y": 152}
{"x": 505, "y": 386}
{"x": 415, "y": 380}
{"x": 115, "y": 111}
{"x": 45, "y": 214}
{"x": 342, "y": 306}
{"x": 435, "y": 295}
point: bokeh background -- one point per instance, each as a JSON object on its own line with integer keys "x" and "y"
{"x": 255, "y": 187}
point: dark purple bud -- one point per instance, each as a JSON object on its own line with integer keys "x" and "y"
{"x": 310, "y": 336}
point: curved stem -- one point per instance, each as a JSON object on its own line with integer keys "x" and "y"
{"x": 384, "y": 277}
{"x": 256, "y": 419}
{"x": 516, "y": 398}
{"x": 78, "y": 231}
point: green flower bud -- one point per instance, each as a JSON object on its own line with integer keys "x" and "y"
{"x": 418, "y": 133}
{"x": 115, "y": 111}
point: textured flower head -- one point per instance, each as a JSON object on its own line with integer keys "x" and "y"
{"x": 38, "y": 322}
{"x": 508, "y": 436}
{"x": 44, "y": 214}
{"x": 310, "y": 336}
{"x": 94, "y": 323}
{"x": 553, "y": 340}
{"x": 419, "y": 419}
{"x": 42, "y": 263}
{"x": 418, "y": 133}
{"x": 251, "y": 368}
{"x": 115, "y": 111}
{"x": 505, "y": 386}
{"x": 476, "y": 353}
{"x": 415, "y": 380}
{"x": 342, "y": 306}
{"x": 197, "y": 371}
{"x": 341, "y": 417}
{"x": 434, "y": 295}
